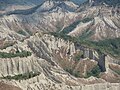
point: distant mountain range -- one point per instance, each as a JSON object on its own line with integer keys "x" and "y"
{"x": 34, "y": 1}
{"x": 59, "y": 45}
{"x": 28, "y": 3}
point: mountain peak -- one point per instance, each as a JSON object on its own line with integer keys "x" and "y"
{"x": 109, "y": 2}
{"x": 59, "y": 45}
{"x": 55, "y": 5}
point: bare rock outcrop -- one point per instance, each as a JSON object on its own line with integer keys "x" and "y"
{"x": 48, "y": 51}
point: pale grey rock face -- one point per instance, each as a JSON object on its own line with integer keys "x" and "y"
{"x": 103, "y": 23}
{"x": 29, "y": 26}
{"x": 38, "y": 18}
{"x": 19, "y": 65}
{"x": 55, "y": 16}
{"x": 52, "y": 76}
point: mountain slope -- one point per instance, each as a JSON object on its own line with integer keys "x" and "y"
{"x": 40, "y": 18}
{"x": 101, "y": 21}
{"x": 59, "y": 45}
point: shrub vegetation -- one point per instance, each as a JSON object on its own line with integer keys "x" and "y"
{"x": 17, "y": 54}
{"x": 22, "y": 76}
{"x": 94, "y": 72}
{"x": 109, "y": 46}
{"x": 76, "y": 73}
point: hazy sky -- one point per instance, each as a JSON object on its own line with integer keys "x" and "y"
{"x": 79, "y": 1}
{"x": 35, "y": 1}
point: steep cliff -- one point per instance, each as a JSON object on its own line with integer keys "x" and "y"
{"x": 58, "y": 45}
{"x": 51, "y": 56}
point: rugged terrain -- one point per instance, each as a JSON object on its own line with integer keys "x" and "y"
{"x": 59, "y": 45}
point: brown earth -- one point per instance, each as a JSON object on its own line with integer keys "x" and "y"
{"x": 4, "y": 86}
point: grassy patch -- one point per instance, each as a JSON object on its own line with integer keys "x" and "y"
{"x": 94, "y": 72}
{"x": 109, "y": 46}
{"x": 29, "y": 32}
{"x": 21, "y": 32}
{"x": 85, "y": 20}
{"x": 86, "y": 34}
{"x": 76, "y": 73}
{"x": 70, "y": 27}
{"x": 78, "y": 56}
{"x": 17, "y": 54}
{"x": 117, "y": 71}
{"x": 22, "y": 76}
